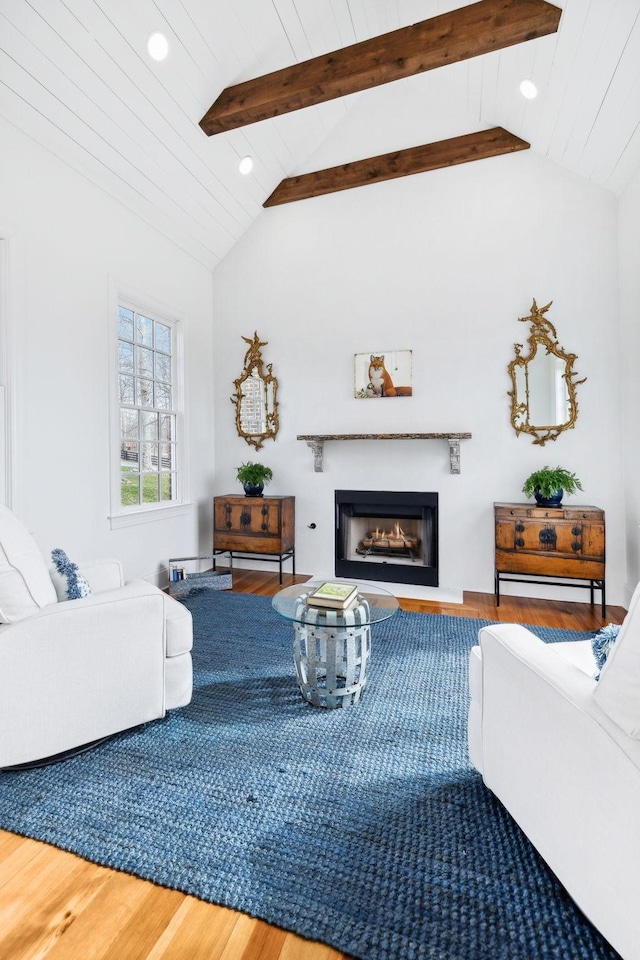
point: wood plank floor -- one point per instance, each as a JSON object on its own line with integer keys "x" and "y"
{"x": 55, "y": 906}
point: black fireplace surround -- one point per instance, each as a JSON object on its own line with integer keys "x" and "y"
{"x": 409, "y": 554}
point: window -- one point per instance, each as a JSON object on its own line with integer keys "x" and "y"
{"x": 148, "y": 409}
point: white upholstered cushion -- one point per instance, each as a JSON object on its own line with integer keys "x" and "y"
{"x": 580, "y": 653}
{"x": 178, "y": 681}
{"x": 179, "y": 627}
{"x": 618, "y": 690}
{"x": 25, "y": 584}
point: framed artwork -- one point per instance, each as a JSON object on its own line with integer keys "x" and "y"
{"x": 381, "y": 374}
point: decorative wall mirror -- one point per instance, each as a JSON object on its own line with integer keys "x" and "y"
{"x": 543, "y": 398}
{"x": 255, "y": 399}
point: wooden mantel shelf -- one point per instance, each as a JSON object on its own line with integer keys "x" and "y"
{"x": 317, "y": 440}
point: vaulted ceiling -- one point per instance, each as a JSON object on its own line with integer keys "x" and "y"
{"x": 75, "y": 75}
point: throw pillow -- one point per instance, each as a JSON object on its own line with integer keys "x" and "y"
{"x": 25, "y": 584}
{"x": 602, "y": 644}
{"x": 77, "y": 585}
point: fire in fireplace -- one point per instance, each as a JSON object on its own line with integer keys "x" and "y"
{"x": 388, "y": 542}
{"x": 388, "y": 536}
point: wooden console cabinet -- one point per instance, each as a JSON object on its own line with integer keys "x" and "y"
{"x": 563, "y": 542}
{"x": 262, "y": 526}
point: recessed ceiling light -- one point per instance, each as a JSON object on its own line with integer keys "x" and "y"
{"x": 528, "y": 89}
{"x": 157, "y": 46}
{"x": 246, "y": 165}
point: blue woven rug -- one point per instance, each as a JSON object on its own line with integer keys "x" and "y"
{"x": 365, "y": 828}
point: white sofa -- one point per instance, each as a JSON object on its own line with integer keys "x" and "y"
{"x": 74, "y": 671}
{"x": 561, "y": 751}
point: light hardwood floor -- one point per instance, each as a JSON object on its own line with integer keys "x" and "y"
{"x": 55, "y": 906}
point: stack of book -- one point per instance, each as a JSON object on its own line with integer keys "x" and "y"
{"x": 334, "y": 596}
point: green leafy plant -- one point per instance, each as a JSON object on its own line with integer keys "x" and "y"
{"x": 254, "y": 473}
{"x": 548, "y": 481}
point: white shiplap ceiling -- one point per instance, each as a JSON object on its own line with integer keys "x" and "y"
{"x": 75, "y": 75}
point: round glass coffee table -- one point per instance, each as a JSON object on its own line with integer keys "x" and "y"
{"x": 331, "y": 647}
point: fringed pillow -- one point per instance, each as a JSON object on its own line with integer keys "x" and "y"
{"x": 77, "y": 585}
{"x": 602, "y": 644}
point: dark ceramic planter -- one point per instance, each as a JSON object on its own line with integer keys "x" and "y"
{"x": 553, "y": 501}
{"x": 253, "y": 489}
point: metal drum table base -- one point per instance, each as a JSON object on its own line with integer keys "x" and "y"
{"x": 331, "y": 655}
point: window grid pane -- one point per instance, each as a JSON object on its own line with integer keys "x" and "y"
{"x": 167, "y": 456}
{"x": 150, "y": 488}
{"x": 127, "y": 389}
{"x": 167, "y": 426}
{"x": 163, "y": 367}
{"x": 128, "y": 424}
{"x": 144, "y": 392}
{"x": 149, "y": 425}
{"x": 147, "y": 421}
{"x": 167, "y": 486}
{"x": 144, "y": 362}
{"x": 125, "y": 356}
{"x": 144, "y": 330}
{"x": 163, "y": 396}
{"x": 125, "y": 323}
{"x": 130, "y": 489}
{"x": 163, "y": 338}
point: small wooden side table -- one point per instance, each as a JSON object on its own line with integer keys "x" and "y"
{"x": 566, "y": 542}
{"x": 259, "y": 527}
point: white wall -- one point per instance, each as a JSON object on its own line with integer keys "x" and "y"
{"x": 68, "y": 241}
{"x": 443, "y": 264}
{"x": 629, "y": 252}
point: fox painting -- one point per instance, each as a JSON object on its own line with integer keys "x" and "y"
{"x": 380, "y": 382}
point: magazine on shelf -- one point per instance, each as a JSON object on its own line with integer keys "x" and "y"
{"x": 336, "y": 596}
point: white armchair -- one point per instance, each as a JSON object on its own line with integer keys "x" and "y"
{"x": 561, "y": 751}
{"x": 74, "y": 671}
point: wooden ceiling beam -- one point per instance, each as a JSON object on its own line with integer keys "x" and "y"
{"x": 450, "y": 37}
{"x": 401, "y": 163}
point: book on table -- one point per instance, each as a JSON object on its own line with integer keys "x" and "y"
{"x": 335, "y": 596}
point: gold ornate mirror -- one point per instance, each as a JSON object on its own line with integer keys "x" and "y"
{"x": 255, "y": 399}
{"x": 543, "y": 398}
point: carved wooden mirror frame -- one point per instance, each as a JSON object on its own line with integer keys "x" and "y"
{"x": 256, "y": 397}
{"x": 543, "y": 336}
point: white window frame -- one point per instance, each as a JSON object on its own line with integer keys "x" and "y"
{"x": 122, "y": 516}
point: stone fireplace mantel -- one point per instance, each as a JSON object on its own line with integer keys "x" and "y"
{"x": 317, "y": 441}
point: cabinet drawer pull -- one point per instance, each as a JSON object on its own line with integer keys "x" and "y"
{"x": 227, "y": 508}
{"x": 519, "y": 527}
{"x": 245, "y": 519}
{"x": 264, "y": 511}
{"x": 547, "y": 535}
{"x": 576, "y": 546}
{"x": 576, "y": 531}
{"x": 228, "y": 524}
{"x": 519, "y": 542}
{"x": 265, "y": 526}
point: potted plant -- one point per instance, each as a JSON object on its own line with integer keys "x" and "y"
{"x": 548, "y": 485}
{"x": 253, "y": 477}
